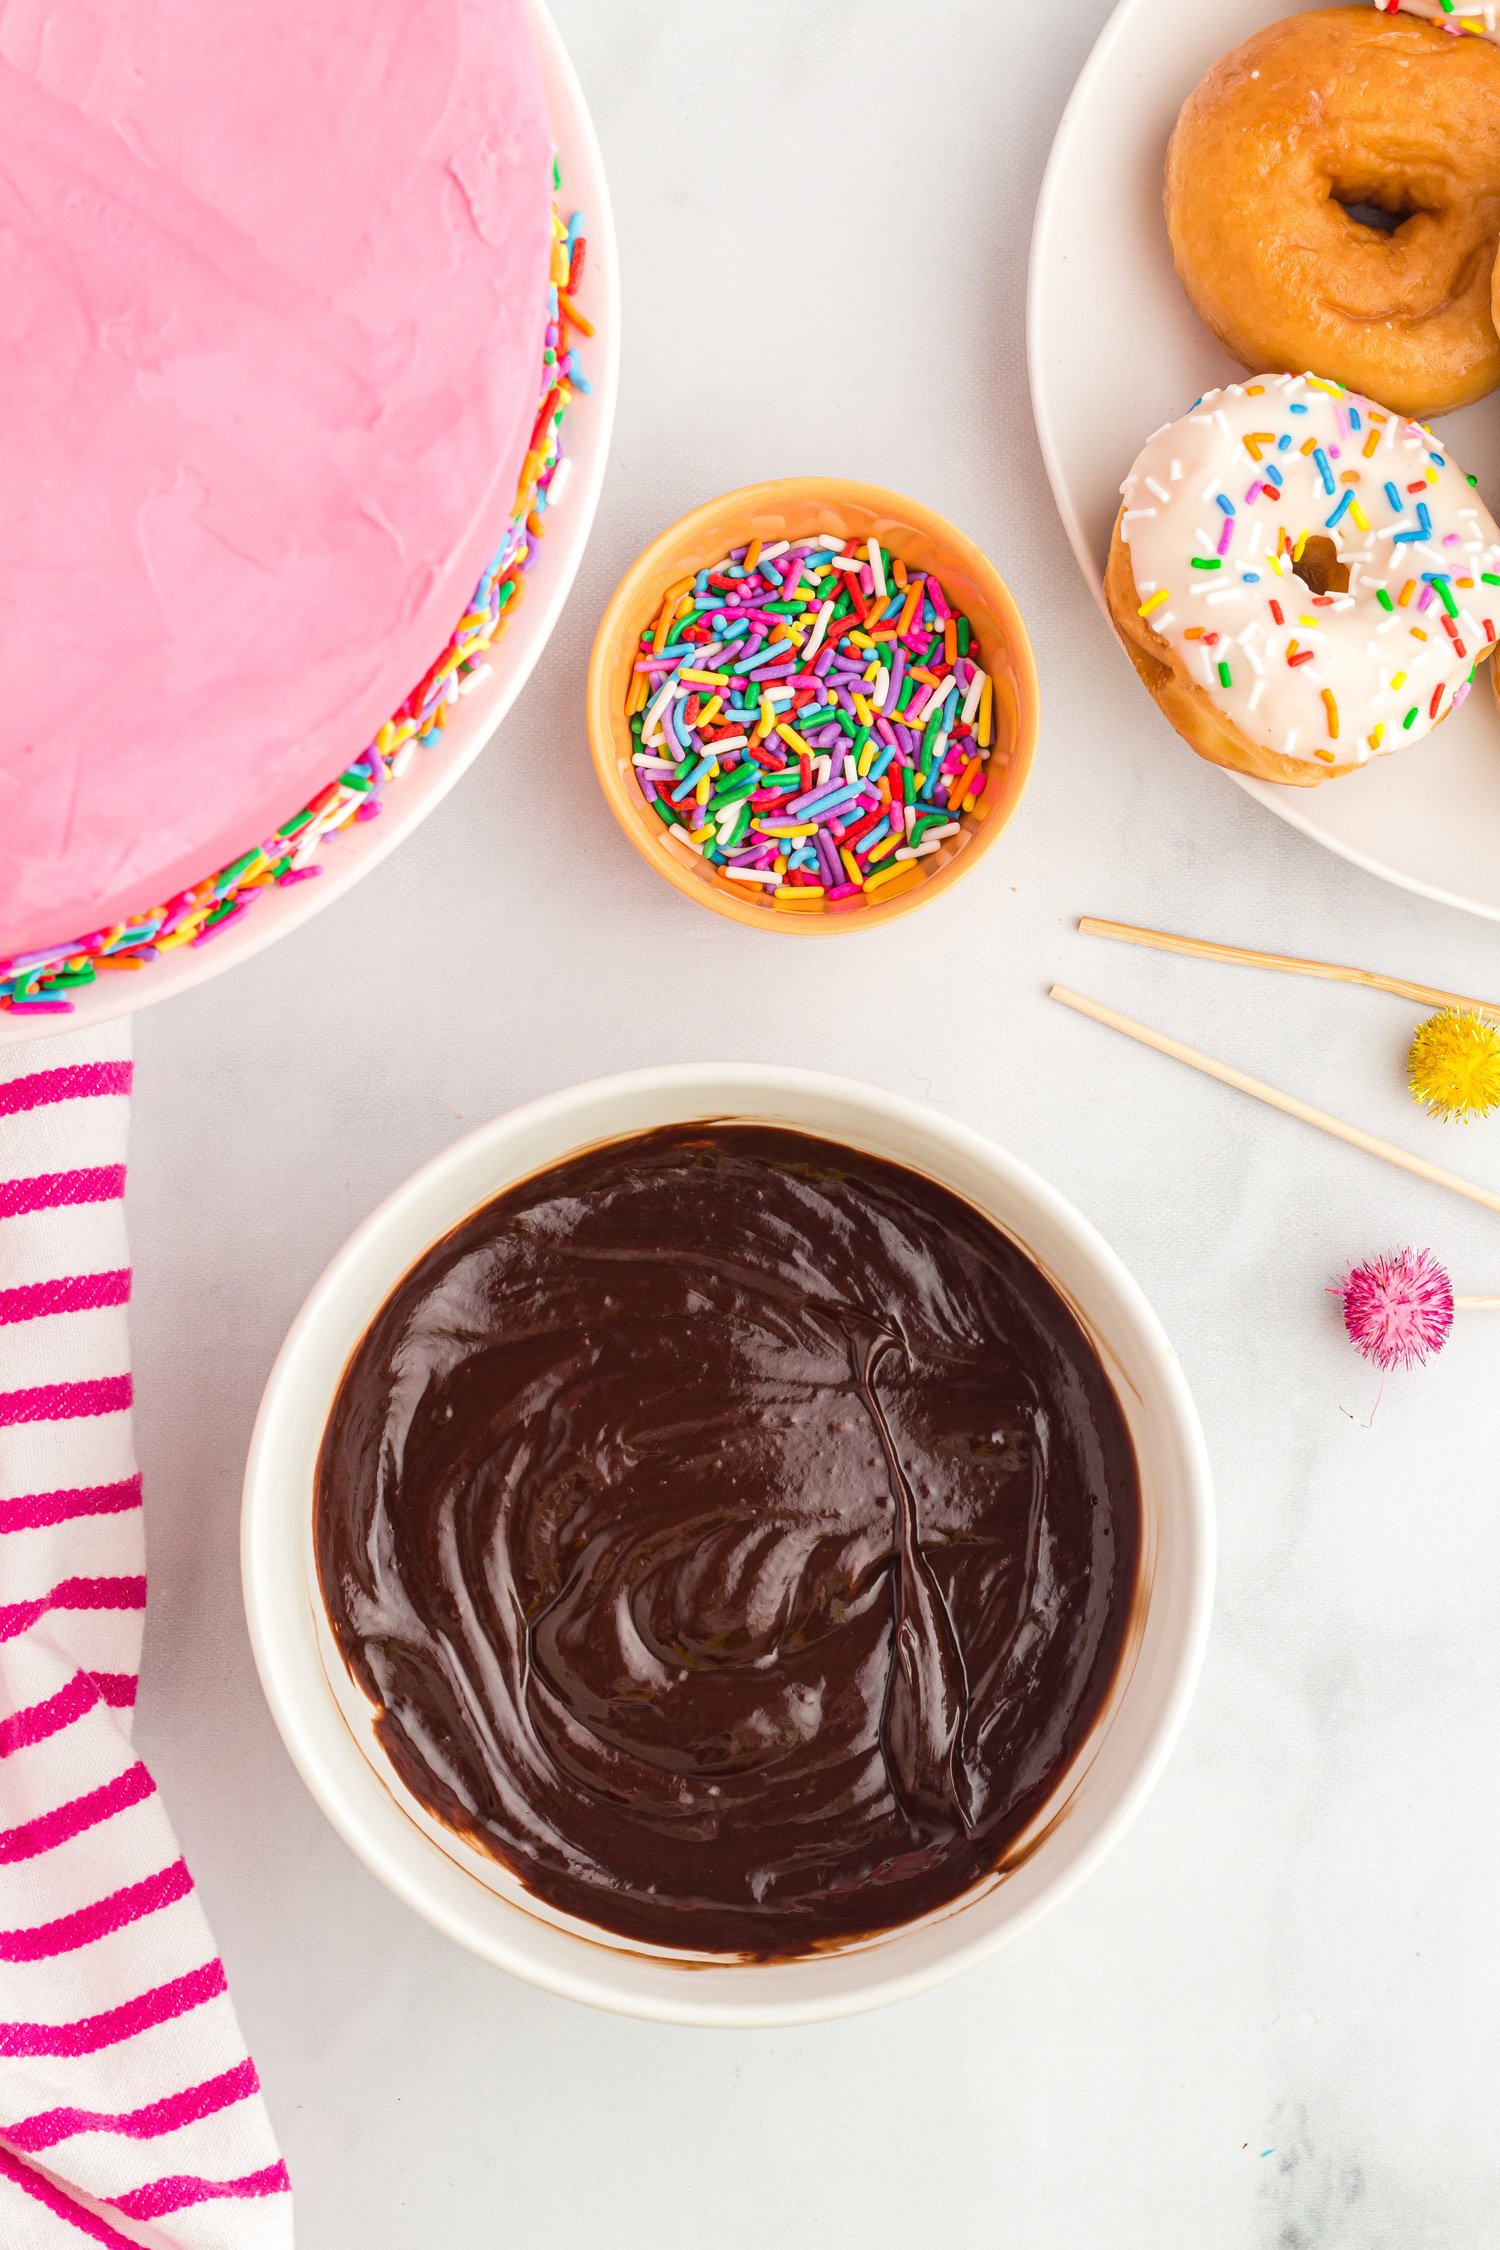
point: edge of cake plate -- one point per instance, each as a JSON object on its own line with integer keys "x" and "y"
{"x": 355, "y": 850}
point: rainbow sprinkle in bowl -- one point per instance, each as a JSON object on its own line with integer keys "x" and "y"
{"x": 812, "y": 704}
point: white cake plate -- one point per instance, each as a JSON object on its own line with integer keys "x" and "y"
{"x": 432, "y": 773}
{"x": 1116, "y": 350}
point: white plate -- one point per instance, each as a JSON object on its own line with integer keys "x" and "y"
{"x": 1116, "y": 349}
{"x": 432, "y": 773}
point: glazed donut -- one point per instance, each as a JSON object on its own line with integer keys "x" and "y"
{"x": 1326, "y": 114}
{"x": 1303, "y": 579}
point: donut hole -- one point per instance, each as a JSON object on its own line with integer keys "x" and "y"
{"x": 1374, "y": 216}
{"x": 1382, "y": 208}
{"x": 1319, "y": 568}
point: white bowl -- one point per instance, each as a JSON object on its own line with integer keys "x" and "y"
{"x": 434, "y": 770}
{"x": 327, "y": 1723}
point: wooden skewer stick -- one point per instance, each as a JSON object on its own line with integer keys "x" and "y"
{"x": 1476, "y": 1304}
{"x": 1228, "y": 1076}
{"x": 1429, "y": 995}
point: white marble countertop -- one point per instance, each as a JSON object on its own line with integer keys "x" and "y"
{"x": 1268, "y": 2022}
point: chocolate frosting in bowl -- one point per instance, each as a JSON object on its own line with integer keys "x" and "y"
{"x": 736, "y": 1534}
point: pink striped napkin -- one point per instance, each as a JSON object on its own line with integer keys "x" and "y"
{"x": 130, "y": 2112}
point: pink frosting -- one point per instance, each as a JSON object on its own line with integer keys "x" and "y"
{"x": 272, "y": 284}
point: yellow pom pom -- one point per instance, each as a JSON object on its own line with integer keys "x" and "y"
{"x": 1453, "y": 1068}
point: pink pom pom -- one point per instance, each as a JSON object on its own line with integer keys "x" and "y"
{"x": 1398, "y": 1310}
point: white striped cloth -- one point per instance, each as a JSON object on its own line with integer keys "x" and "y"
{"x": 130, "y": 2112}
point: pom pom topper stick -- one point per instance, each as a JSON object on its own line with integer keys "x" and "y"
{"x": 1355, "y": 1135}
{"x": 1453, "y": 1067}
{"x": 1289, "y": 964}
{"x": 1398, "y": 1310}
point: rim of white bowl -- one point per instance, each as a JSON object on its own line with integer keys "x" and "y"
{"x": 355, "y": 850}
{"x": 361, "y": 1802}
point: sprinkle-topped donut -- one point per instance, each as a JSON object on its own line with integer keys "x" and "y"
{"x": 1317, "y": 566}
{"x": 1481, "y": 17}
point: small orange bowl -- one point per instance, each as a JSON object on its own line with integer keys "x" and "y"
{"x": 801, "y": 508}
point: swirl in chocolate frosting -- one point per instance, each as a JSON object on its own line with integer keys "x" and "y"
{"x": 736, "y": 1534}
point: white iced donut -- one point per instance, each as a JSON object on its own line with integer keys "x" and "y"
{"x": 1304, "y": 579}
{"x": 1458, "y": 16}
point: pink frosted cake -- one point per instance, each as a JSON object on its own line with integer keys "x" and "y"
{"x": 283, "y": 348}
